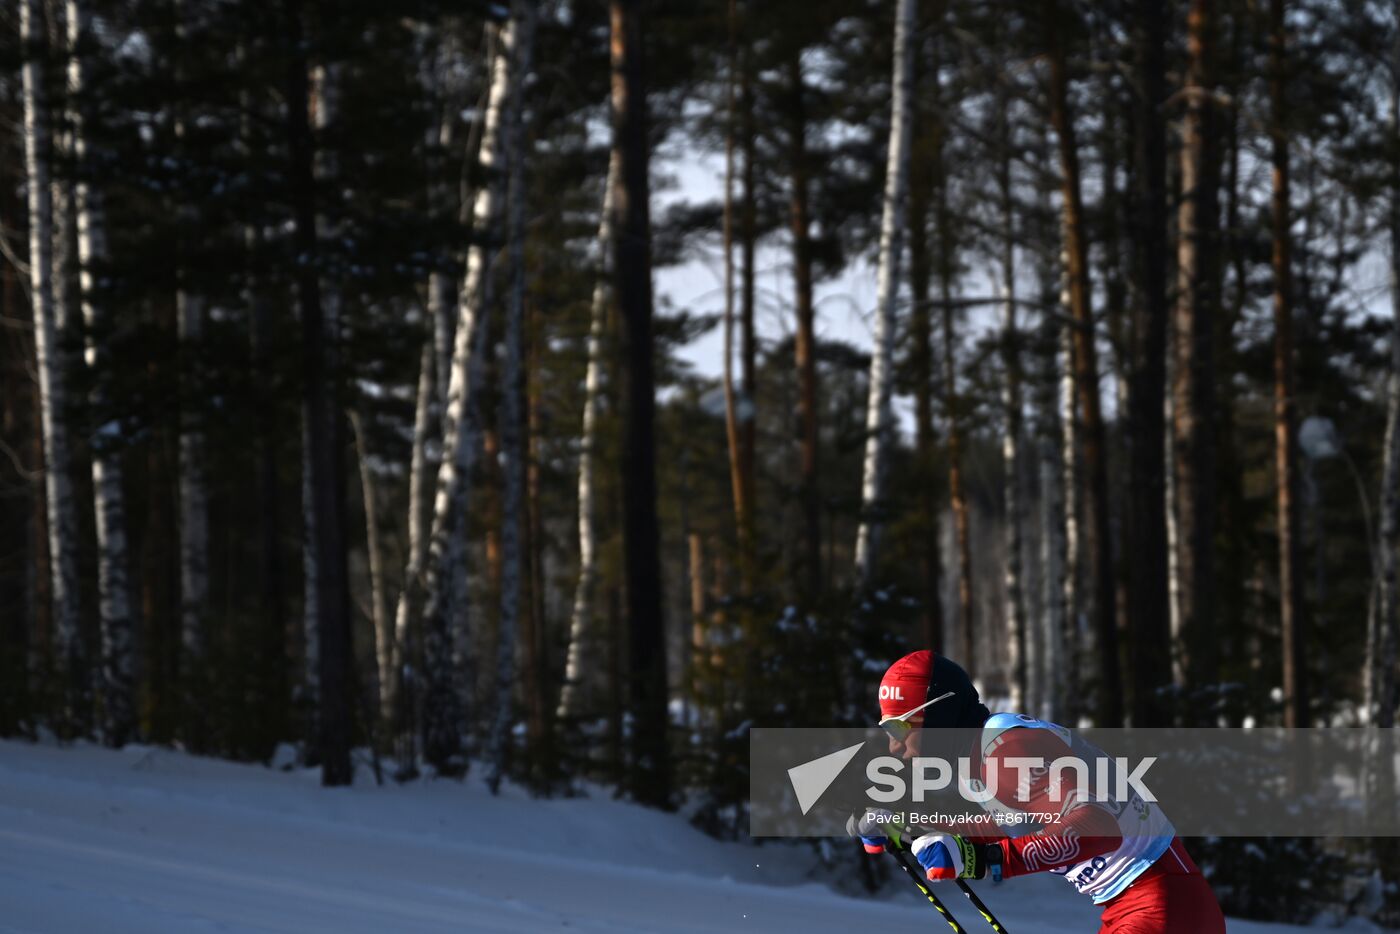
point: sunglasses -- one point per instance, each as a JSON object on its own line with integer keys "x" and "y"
{"x": 900, "y": 727}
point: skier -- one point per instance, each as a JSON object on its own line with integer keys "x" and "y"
{"x": 1124, "y": 855}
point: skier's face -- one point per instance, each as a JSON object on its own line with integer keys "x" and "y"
{"x": 908, "y": 747}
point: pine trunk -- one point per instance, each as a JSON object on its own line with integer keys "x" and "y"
{"x": 322, "y": 430}
{"x": 738, "y": 436}
{"x": 582, "y": 653}
{"x": 921, "y": 357}
{"x": 1149, "y": 622}
{"x": 1193, "y": 392}
{"x": 957, "y": 495}
{"x": 1295, "y": 690}
{"x": 809, "y": 495}
{"x": 1085, "y": 365}
{"x": 879, "y": 418}
{"x": 650, "y": 772}
{"x": 513, "y": 429}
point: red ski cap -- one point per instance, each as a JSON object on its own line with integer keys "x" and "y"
{"x": 905, "y": 685}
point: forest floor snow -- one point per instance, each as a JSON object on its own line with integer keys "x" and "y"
{"x": 152, "y": 840}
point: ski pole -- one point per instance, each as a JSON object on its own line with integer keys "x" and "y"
{"x": 902, "y": 857}
{"x": 981, "y": 906}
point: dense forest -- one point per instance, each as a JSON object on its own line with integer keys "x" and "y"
{"x": 339, "y": 407}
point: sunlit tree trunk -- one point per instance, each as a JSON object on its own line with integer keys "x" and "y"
{"x": 582, "y": 650}
{"x": 804, "y": 344}
{"x": 879, "y": 418}
{"x": 1295, "y": 690}
{"x": 1085, "y": 364}
{"x": 513, "y": 429}
{"x": 114, "y": 598}
{"x": 445, "y": 582}
{"x": 1193, "y": 392}
{"x": 404, "y": 656}
{"x": 61, "y": 508}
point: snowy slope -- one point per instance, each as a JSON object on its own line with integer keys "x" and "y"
{"x": 149, "y": 840}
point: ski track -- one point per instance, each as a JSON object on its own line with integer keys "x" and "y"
{"x": 150, "y": 840}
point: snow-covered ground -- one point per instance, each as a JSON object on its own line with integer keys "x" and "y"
{"x": 149, "y": 840}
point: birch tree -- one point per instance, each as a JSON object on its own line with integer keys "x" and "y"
{"x": 581, "y": 617}
{"x": 879, "y": 419}
{"x": 114, "y": 600}
{"x": 444, "y": 579}
{"x": 513, "y": 417}
{"x": 1383, "y": 631}
{"x": 61, "y": 509}
{"x": 380, "y": 622}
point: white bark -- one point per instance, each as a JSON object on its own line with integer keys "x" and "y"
{"x": 1056, "y": 567}
{"x": 445, "y": 581}
{"x": 417, "y": 539}
{"x": 1074, "y": 637}
{"x": 1011, "y": 486}
{"x": 114, "y": 604}
{"x": 1384, "y": 616}
{"x": 379, "y": 613}
{"x": 879, "y": 422}
{"x": 513, "y": 427}
{"x": 581, "y": 619}
{"x": 53, "y": 397}
{"x": 1169, "y": 492}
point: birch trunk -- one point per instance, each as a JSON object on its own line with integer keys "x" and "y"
{"x": 404, "y": 656}
{"x": 379, "y": 613}
{"x": 581, "y": 619}
{"x": 1380, "y": 681}
{"x": 513, "y": 416}
{"x": 114, "y": 600}
{"x": 879, "y": 419}
{"x": 61, "y": 510}
{"x": 445, "y": 583}
{"x": 1055, "y": 522}
{"x": 1016, "y": 641}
